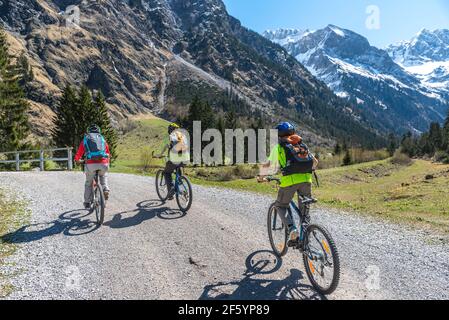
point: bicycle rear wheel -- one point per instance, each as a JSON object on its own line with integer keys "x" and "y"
{"x": 277, "y": 232}
{"x": 184, "y": 194}
{"x": 161, "y": 186}
{"x": 321, "y": 260}
{"x": 99, "y": 204}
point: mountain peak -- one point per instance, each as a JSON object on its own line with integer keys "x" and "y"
{"x": 337, "y": 30}
{"x": 355, "y": 70}
{"x": 426, "y": 46}
{"x": 284, "y": 36}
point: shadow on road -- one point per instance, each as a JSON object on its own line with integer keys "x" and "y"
{"x": 78, "y": 223}
{"x": 254, "y": 287}
{"x": 71, "y": 223}
{"x": 146, "y": 210}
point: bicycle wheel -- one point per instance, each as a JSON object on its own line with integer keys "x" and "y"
{"x": 100, "y": 205}
{"x": 277, "y": 232}
{"x": 161, "y": 186}
{"x": 321, "y": 260}
{"x": 184, "y": 194}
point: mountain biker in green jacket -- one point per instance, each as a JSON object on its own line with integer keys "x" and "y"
{"x": 297, "y": 173}
{"x": 178, "y": 153}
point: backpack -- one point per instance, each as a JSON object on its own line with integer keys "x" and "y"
{"x": 95, "y": 146}
{"x": 179, "y": 142}
{"x": 298, "y": 156}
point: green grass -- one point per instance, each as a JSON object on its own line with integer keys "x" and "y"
{"x": 399, "y": 193}
{"x": 13, "y": 215}
{"x": 148, "y": 136}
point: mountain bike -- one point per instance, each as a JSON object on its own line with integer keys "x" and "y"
{"x": 182, "y": 187}
{"x": 320, "y": 254}
{"x": 98, "y": 203}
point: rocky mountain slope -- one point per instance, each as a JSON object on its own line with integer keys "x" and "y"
{"x": 427, "y": 57}
{"x": 391, "y": 96}
{"x": 152, "y": 55}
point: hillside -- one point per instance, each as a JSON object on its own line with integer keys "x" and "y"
{"x": 146, "y": 55}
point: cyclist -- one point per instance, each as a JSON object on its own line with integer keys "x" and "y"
{"x": 178, "y": 153}
{"x": 95, "y": 149}
{"x": 297, "y": 164}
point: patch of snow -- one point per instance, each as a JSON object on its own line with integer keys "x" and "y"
{"x": 360, "y": 101}
{"x": 338, "y": 31}
{"x": 342, "y": 94}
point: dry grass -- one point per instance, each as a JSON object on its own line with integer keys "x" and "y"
{"x": 12, "y": 216}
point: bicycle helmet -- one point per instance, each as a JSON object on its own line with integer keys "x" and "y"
{"x": 172, "y": 127}
{"x": 285, "y": 129}
{"x": 94, "y": 129}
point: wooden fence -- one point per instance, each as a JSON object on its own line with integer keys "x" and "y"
{"x": 18, "y": 159}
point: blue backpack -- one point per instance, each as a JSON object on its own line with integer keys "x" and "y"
{"x": 95, "y": 146}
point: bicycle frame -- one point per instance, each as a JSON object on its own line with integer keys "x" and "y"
{"x": 178, "y": 179}
{"x": 295, "y": 208}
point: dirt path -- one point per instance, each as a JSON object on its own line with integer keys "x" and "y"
{"x": 147, "y": 250}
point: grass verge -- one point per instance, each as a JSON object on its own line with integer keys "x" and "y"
{"x": 13, "y": 215}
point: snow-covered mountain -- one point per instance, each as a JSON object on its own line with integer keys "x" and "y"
{"x": 390, "y": 96}
{"x": 426, "y": 56}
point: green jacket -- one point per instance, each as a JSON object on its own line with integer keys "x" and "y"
{"x": 278, "y": 156}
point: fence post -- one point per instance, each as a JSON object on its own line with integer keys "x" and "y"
{"x": 17, "y": 161}
{"x": 70, "y": 160}
{"x": 41, "y": 160}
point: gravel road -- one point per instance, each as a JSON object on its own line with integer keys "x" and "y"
{"x": 148, "y": 250}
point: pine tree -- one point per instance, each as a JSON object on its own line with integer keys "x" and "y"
{"x": 104, "y": 122}
{"x": 392, "y": 144}
{"x": 201, "y": 111}
{"x": 14, "y": 126}
{"x": 25, "y": 69}
{"x": 76, "y": 112}
{"x": 435, "y": 138}
{"x": 231, "y": 120}
{"x": 347, "y": 160}
{"x": 337, "y": 149}
{"x": 446, "y": 135}
{"x": 67, "y": 131}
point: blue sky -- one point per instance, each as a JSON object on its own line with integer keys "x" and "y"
{"x": 399, "y": 19}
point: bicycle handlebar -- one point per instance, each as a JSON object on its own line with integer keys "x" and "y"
{"x": 156, "y": 157}
{"x": 269, "y": 179}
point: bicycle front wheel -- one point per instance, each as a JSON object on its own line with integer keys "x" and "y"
{"x": 161, "y": 186}
{"x": 184, "y": 194}
{"x": 100, "y": 205}
{"x": 321, "y": 260}
{"x": 277, "y": 232}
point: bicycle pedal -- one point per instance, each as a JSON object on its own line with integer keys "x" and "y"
{"x": 292, "y": 243}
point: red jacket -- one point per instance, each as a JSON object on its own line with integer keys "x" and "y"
{"x": 81, "y": 151}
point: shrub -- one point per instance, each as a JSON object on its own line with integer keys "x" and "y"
{"x": 203, "y": 173}
{"x": 347, "y": 160}
{"x": 26, "y": 166}
{"x": 401, "y": 158}
{"x": 245, "y": 171}
{"x": 146, "y": 159}
{"x": 225, "y": 174}
{"x": 441, "y": 156}
{"x": 51, "y": 165}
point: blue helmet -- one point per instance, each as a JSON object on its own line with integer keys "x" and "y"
{"x": 285, "y": 129}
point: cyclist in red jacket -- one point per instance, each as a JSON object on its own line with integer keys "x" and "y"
{"x": 95, "y": 149}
